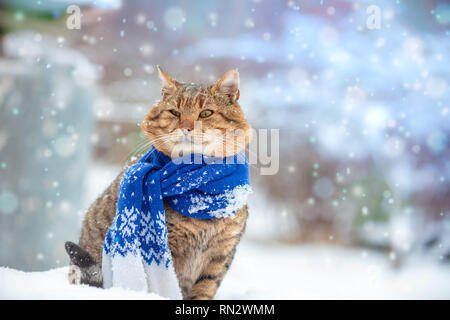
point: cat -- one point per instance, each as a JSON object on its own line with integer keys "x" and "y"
{"x": 202, "y": 249}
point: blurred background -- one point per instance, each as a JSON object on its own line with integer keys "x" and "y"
{"x": 363, "y": 116}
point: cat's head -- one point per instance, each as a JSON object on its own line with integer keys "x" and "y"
{"x": 196, "y": 118}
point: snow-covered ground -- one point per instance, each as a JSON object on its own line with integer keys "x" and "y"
{"x": 271, "y": 271}
{"x": 262, "y": 268}
{"x": 53, "y": 284}
{"x": 276, "y": 271}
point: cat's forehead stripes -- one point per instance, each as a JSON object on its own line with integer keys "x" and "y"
{"x": 192, "y": 90}
{"x": 191, "y": 94}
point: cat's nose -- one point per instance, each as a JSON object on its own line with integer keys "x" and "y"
{"x": 186, "y": 127}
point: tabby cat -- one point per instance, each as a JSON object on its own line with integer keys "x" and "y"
{"x": 202, "y": 249}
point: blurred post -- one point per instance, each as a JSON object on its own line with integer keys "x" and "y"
{"x": 46, "y": 98}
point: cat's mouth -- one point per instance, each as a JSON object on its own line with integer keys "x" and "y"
{"x": 210, "y": 142}
{"x": 186, "y": 138}
{"x": 192, "y": 142}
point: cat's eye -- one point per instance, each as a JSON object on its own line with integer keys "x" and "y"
{"x": 175, "y": 113}
{"x": 205, "y": 113}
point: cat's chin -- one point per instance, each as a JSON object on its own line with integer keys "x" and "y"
{"x": 186, "y": 148}
{"x": 213, "y": 148}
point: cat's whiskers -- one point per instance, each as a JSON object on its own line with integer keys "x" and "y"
{"x": 135, "y": 151}
{"x": 221, "y": 140}
{"x": 143, "y": 146}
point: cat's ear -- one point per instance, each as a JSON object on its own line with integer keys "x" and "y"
{"x": 229, "y": 84}
{"x": 168, "y": 84}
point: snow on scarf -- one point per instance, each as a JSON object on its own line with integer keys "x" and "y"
{"x": 136, "y": 252}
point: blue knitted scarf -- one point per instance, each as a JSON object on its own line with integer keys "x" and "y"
{"x": 136, "y": 252}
